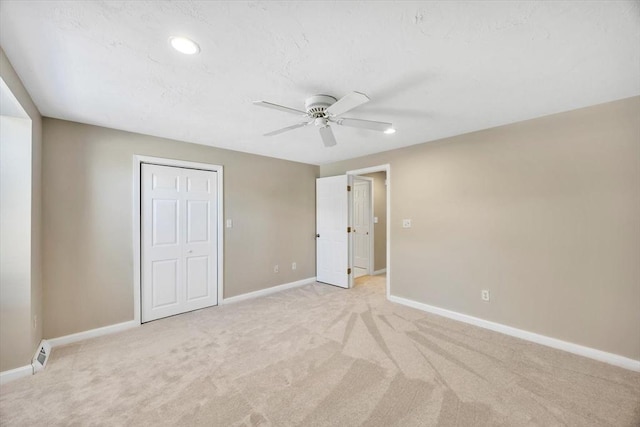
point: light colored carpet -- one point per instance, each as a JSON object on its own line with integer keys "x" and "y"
{"x": 319, "y": 355}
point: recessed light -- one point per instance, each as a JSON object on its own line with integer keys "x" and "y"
{"x": 184, "y": 45}
{"x": 390, "y": 131}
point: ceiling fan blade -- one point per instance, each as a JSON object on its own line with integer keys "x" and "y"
{"x": 364, "y": 124}
{"x": 288, "y": 128}
{"x": 346, "y": 103}
{"x": 279, "y": 107}
{"x": 328, "y": 138}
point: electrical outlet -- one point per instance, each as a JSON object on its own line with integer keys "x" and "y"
{"x": 485, "y": 295}
{"x": 406, "y": 223}
{"x": 294, "y": 265}
{"x": 276, "y": 269}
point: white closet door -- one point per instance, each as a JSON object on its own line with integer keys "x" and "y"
{"x": 179, "y": 240}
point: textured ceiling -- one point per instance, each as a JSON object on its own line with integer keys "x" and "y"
{"x": 434, "y": 69}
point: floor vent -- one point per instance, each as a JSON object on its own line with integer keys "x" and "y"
{"x": 41, "y": 357}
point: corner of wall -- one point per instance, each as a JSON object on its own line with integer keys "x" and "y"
{"x": 13, "y": 81}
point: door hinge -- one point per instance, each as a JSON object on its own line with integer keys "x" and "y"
{"x": 348, "y": 229}
{"x": 348, "y": 271}
{"x": 348, "y": 188}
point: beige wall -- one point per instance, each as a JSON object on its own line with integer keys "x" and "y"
{"x": 87, "y": 211}
{"x": 21, "y": 301}
{"x": 544, "y": 213}
{"x": 380, "y": 228}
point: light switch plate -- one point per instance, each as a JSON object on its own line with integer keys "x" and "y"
{"x": 375, "y": 219}
{"x": 229, "y": 223}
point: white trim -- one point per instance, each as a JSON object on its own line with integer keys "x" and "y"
{"x": 372, "y": 169}
{"x": 137, "y": 315}
{"x": 14, "y": 374}
{"x": 382, "y": 168}
{"x": 350, "y": 265}
{"x": 268, "y": 291}
{"x": 93, "y": 333}
{"x": 591, "y": 353}
{"x": 137, "y": 160}
{"x": 381, "y": 271}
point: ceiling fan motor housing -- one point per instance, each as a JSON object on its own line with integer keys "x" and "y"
{"x": 317, "y": 104}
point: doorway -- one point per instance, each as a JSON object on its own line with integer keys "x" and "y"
{"x": 334, "y": 221}
{"x": 381, "y": 224}
{"x": 378, "y": 223}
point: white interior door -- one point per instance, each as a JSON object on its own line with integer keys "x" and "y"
{"x": 179, "y": 240}
{"x": 362, "y": 224}
{"x": 332, "y": 238}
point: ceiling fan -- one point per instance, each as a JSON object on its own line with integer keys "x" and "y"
{"x": 323, "y": 110}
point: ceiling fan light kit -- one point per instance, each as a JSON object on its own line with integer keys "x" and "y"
{"x": 323, "y": 110}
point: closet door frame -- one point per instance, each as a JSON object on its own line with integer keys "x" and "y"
{"x": 138, "y": 160}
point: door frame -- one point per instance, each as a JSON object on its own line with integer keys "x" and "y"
{"x": 136, "y": 217}
{"x": 370, "y": 267}
{"x": 381, "y": 168}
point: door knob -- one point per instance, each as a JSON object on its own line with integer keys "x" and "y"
{"x": 317, "y": 235}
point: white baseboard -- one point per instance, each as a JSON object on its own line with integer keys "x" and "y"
{"x": 92, "y": 333}
{"x": 591, "y": 353}
{"x": 381, "y": 271}
{"x": 14, "y": 374}
{"x": 80, "y": 336}
{"x": 267, "y": 291}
